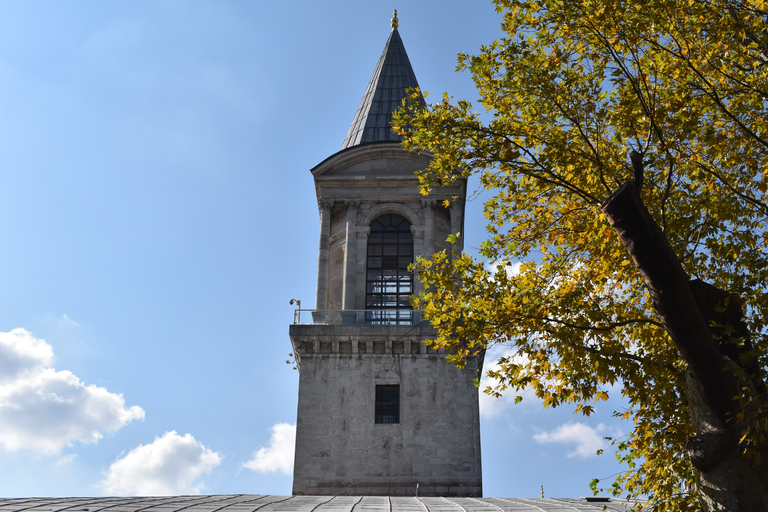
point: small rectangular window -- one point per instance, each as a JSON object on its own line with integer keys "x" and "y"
{"x": 388, "y": 403}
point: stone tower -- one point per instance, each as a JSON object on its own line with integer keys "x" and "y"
{"x": 379, "y": 413}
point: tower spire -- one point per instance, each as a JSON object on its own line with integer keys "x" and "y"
{"x": 385, "y": 93}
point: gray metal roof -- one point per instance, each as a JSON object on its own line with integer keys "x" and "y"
{"x": 270, "y": 503}
{"x": 386, "y": 90}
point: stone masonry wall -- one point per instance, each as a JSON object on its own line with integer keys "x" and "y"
{"x": 339, "y": 448}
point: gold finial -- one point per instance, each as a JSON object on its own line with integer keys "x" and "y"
{"x": 394, "y": 20}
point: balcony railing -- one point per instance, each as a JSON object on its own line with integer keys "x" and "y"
{"x": 356, "y": 317}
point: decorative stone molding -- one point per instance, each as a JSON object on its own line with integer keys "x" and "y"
{"x": 417, "y": 232}
{"x": 401, "y": 209}
{"x": 358, "y": 348}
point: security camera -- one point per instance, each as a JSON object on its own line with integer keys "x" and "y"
{"x": 295, "y": 301}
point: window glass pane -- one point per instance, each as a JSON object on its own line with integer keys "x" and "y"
{"x": 387, "y": 410}
{"x": 389, "y": 300}
{"x": 389, "y": 238}
{"x": 389, "y": 262}
{"x": 389, "y": 284}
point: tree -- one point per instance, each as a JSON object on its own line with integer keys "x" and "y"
{"x": 625, "y": 147}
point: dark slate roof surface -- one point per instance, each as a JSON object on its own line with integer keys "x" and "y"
{"x": 271, "y": 503}
{"x": 386, "y": 90}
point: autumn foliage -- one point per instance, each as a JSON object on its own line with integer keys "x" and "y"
{"x": 564, "y": 97}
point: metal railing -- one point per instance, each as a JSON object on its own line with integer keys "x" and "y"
{"x": 356, "y": 317}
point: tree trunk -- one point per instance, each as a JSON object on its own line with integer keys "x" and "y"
{"x": 726, "y": 479}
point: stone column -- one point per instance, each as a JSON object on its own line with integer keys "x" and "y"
{"x": 350, "y": 256}
{"x": 362, "y": 264}
{"x": 321, "y": 299}
{"x": 457, "y": 209}
{"x": 419, "y": 247}
{"x": 429, "y": 225}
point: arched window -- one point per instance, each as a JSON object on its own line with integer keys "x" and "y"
{"x": 388, "y": 282}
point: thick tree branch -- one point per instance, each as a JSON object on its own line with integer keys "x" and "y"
{"x": 673, "y": 301}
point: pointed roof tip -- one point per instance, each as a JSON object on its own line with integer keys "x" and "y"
{"x": 391, "y": 79}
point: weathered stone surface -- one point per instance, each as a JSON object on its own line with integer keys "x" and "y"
{"x": 341, "y": 450}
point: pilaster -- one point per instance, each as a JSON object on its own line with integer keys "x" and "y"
{"x": 321, "y": 299}
{"x": 362, "y": 257}
{"x": 457, "y": 210}
{"x": 350, "y": 255}
{"x": 428, "y": 206}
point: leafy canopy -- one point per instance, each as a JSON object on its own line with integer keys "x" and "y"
{"x": 572, "y": 88}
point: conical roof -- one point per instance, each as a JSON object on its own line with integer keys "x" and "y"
{"x": 385, "y": 93}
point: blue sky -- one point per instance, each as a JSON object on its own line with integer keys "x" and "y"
{"x": 158, "y": 213}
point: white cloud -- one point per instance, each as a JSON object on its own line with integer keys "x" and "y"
{"x": 69, "y": 321}
{"x": 170, "y": 465}
{"x": 44, "y": 410}
{"x": 67, "y": 460}
{"x": 587, "y": 439}
{"x": 490, "y": 406}
{"x": 512, "y": 269}
{"x": 21, "y": 353}
{"x": 279, "y": 455}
